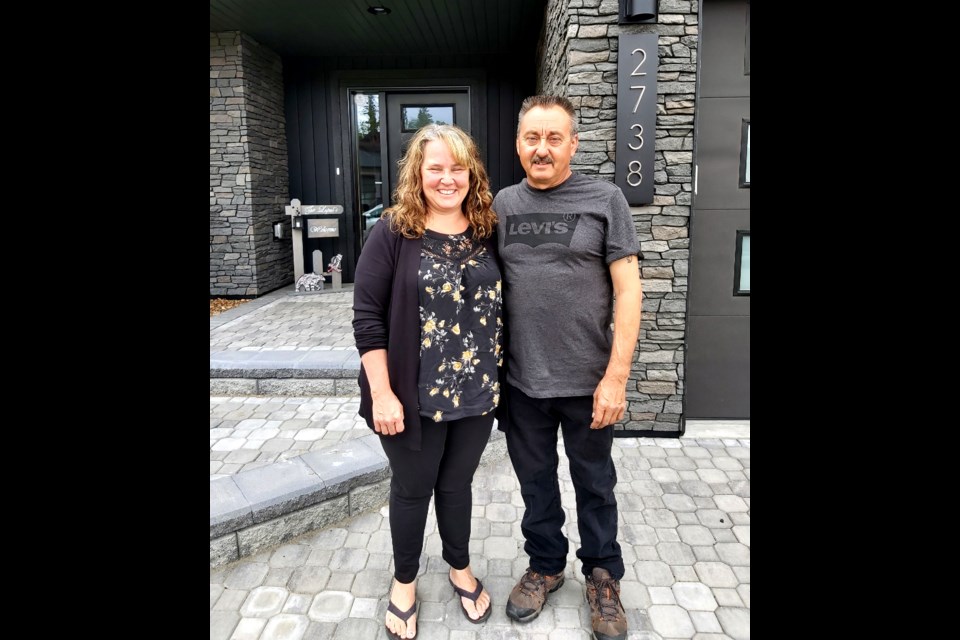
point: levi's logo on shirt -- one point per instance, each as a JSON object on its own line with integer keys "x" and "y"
{"x": 535, "y": 229}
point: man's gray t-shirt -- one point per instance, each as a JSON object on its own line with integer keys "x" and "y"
{"x": 556, "y": 245}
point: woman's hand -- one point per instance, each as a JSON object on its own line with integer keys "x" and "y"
{"x": 387, "y": 414}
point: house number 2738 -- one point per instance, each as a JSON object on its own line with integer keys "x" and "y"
{"x": 636, "y": 116}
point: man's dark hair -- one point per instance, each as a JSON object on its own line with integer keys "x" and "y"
{"x": 546, "y": 102}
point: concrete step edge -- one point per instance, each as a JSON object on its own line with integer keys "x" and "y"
{"x": 267, "y": 506}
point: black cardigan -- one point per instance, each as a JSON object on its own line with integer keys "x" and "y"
{"x": 386, "y": 315}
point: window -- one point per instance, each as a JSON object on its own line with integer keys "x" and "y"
{"x": 741, "y": 267}
{"x": 745, "y": 154}
{"x": 416, "y": 115}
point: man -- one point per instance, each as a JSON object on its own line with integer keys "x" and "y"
{"x": 569, "y": 249}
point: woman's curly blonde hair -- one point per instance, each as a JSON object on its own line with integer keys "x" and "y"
{"x": 409, "y": 216}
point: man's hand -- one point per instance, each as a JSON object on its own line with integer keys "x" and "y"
{"x": 609, "y": 402}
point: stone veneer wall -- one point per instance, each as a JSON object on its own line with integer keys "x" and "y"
{"x": 248, "y": 168}
{"x": 578, "y": 59}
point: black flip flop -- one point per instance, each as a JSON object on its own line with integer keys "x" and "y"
{"x": 472, "y": 595}
{"x": 403, "y": 615}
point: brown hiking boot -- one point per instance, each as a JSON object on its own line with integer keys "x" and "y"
{"x": 527, "y": 598}
{"x": 607, "y": 616}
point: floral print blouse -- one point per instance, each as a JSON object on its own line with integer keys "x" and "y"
{"x": 461, "y": 325}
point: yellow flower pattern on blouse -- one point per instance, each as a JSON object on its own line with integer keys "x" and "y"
{"x": 461, "y": 328}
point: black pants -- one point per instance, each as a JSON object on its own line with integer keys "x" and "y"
{"x": 444, "y": 467}
{"x": 532, "y": 443}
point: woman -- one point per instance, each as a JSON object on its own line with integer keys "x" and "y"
{"x": 427, "y": 324}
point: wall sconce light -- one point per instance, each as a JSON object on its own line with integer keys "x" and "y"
{"x": 638, "y": 11}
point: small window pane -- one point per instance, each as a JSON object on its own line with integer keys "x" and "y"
{"x": 741, "y": 285}
{"x": 418, "y": 115}
{"x": 745, "y": 154}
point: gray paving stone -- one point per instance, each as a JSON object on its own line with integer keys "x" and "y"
{"x": 216, "y": 590}
{"x": 646, "y": 487}
{"x": 249, "y": 629}
{"x": 671, "y": 621}
{"x": 340, "y": 581}
{"x": 695, "y": 534}
{"x": 684, "y": 463}
{"x": 743, "y": 574}
{"x": 705, "y": 554}
{"x": 498, "y": 547}
{"x": 744, "y": 592}
{"x": 332, "y": 538}
{"x": 694, "y": 596}
{"x": 728, "y": 597}
{"x": 366, "y": 523}
{"x": 676, "y": 553}
{"x": 716, "y": 575}
{"x": 246, "y": 576}
{"x": 320, "y": 630}
{"x": 357, "y": 541}
{"x": 742, "y": 533}
{"x": 654, "y": 573}
{"x": 286, "y": 626}
{"x": 728, "y": 463}
{"x": 661, "y": 595}
{"x": 660, "y": 518}
{"x": 665, "y": 475}
{"x": 696, "y": 488}
{"x": 740, "y": 488}
{"x": 678, "y": 502}
{"x": 330, "y": 606}
{"x": 684, "y": 573}
{"x": 289, "y": 555}
{"x": 278, "y": 577}
{"x": 231, "y": 600}
{"x": 264, "y": 602}
{"x": 309, "y": 579}
{"x": 349, "y": 560}
{"x": 569, "y": 634}
{"x": 222, "y": 624}
{"x": 733, "y": 553}
{"x": 724, "y": 535}
{"x": 735, "y": 622}
{"x": 365, "y": 608}
{"x": 634, "y": 594}
{"x": 502, "y": 512}
{"x": 714, "y": 518}
{"x": 298, "y": 603}
{"x": 740, "y": 453}
{"x": 569, "y": 617}
{"x": 371, "y": 583}
{"x": 668, "y": 535}
{"x": 638, "y": 534}
{"x": 705, "y": 622}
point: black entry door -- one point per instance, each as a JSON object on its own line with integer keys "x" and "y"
{"x": 385, "y": 123}
{"x": 407, "y": 112}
